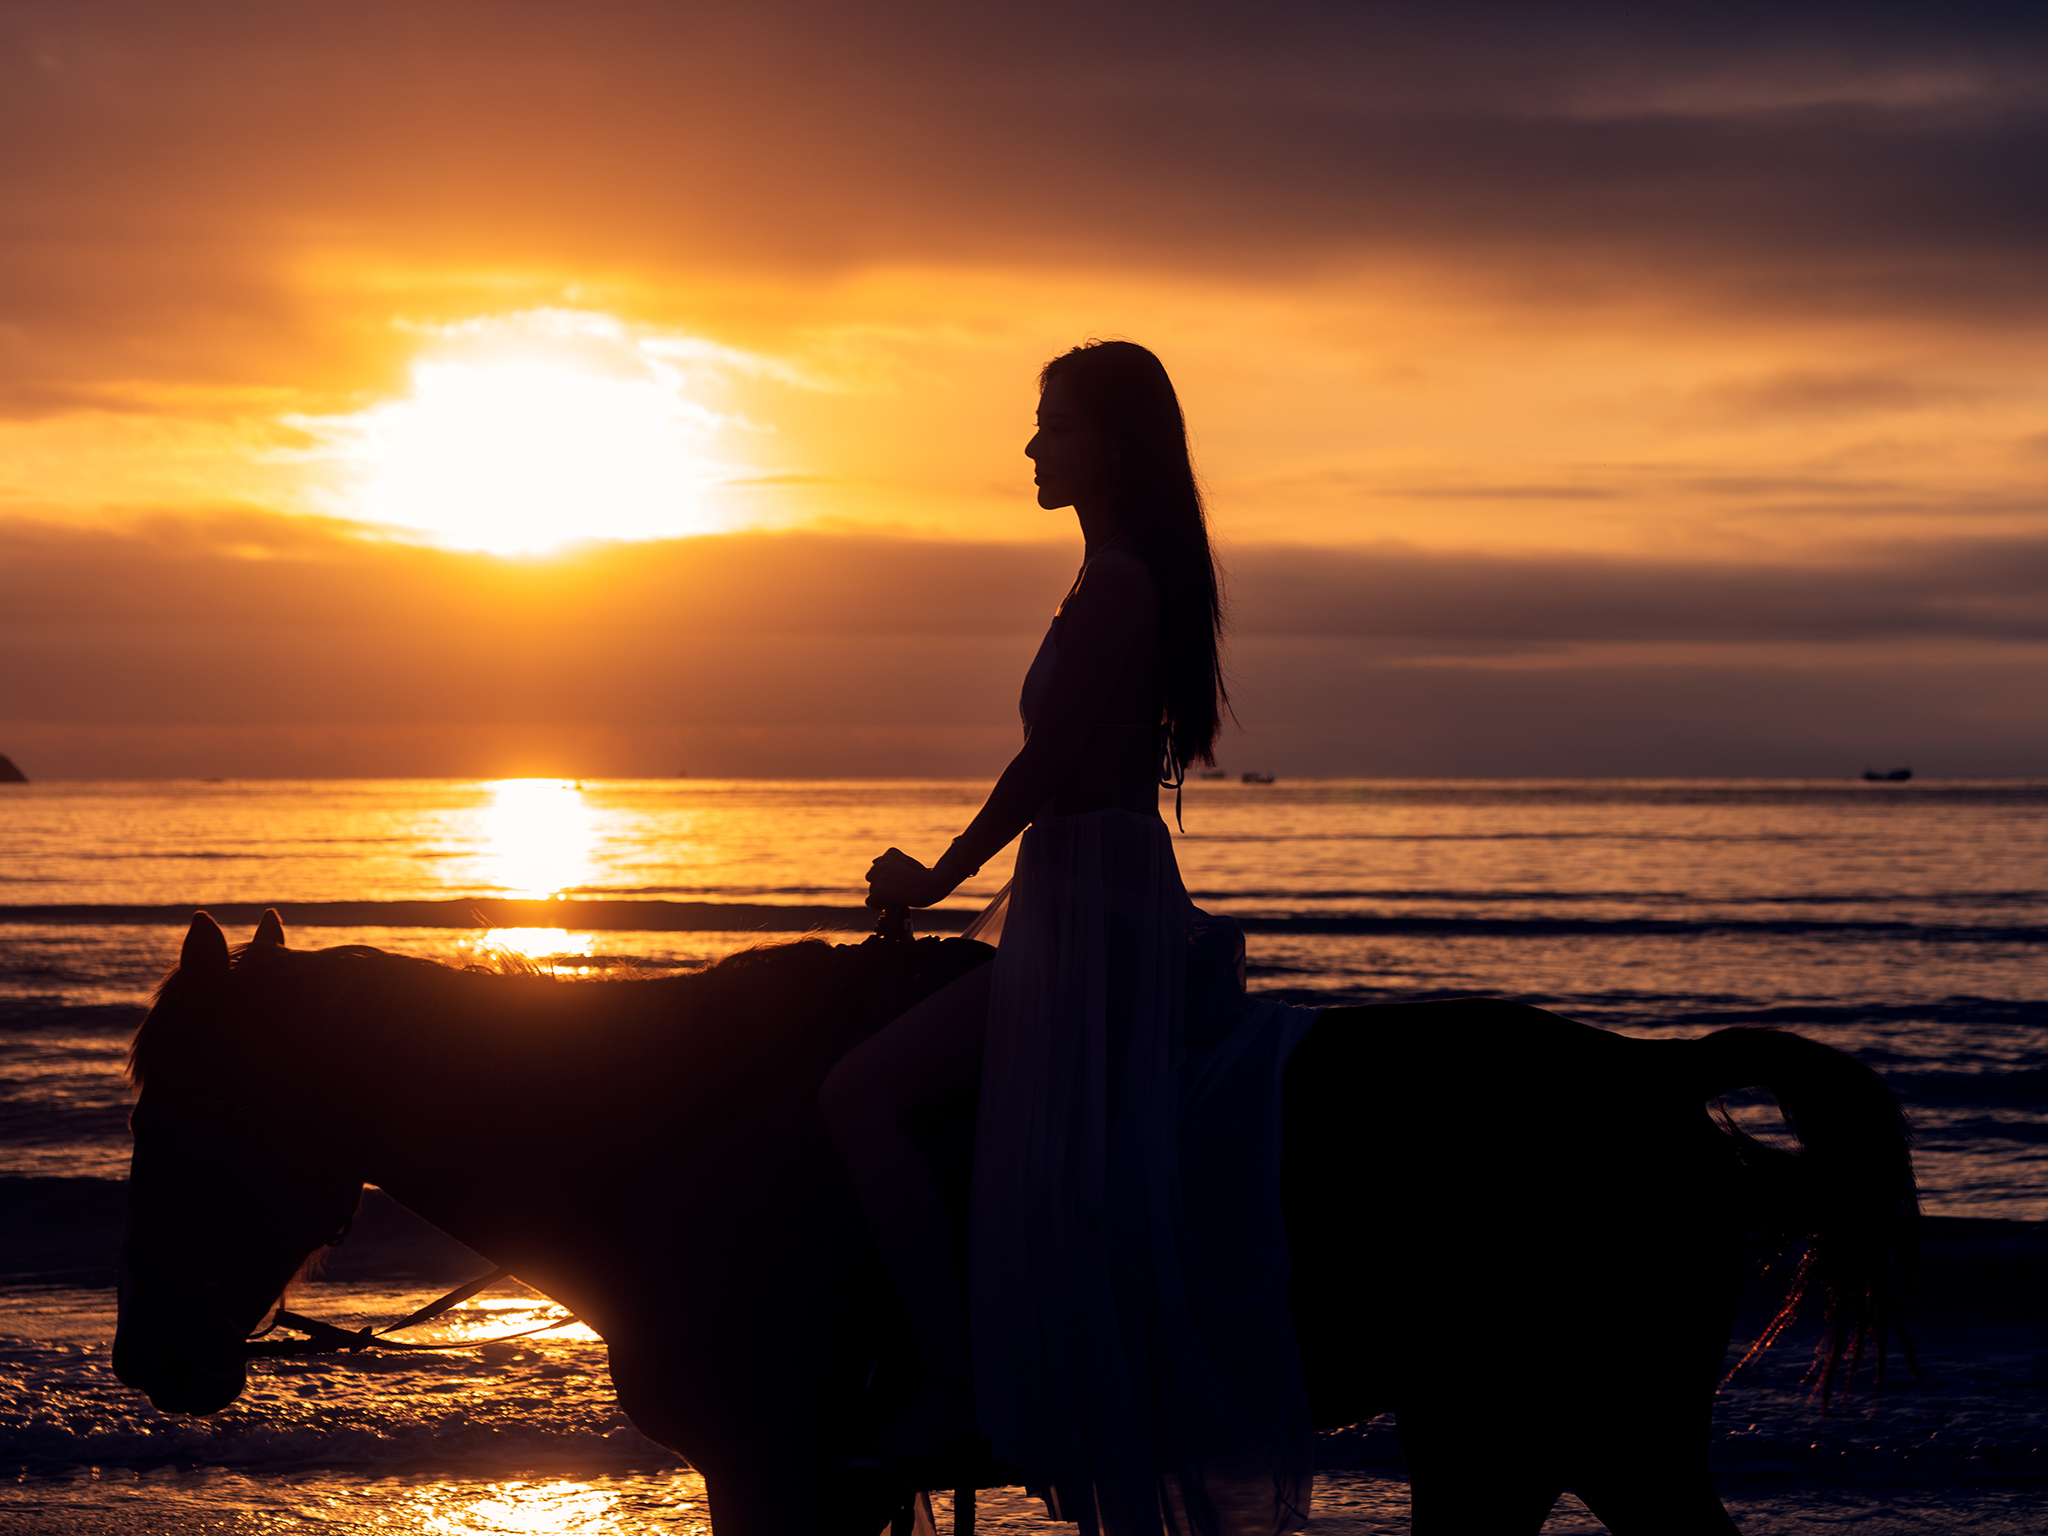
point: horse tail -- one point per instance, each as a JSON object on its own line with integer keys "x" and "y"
{"x": 1846, "y": 1199}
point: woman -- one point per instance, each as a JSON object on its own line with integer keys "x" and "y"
{"x": 1130, "y": 1343}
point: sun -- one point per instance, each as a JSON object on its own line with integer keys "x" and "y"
{"x": 525, "y": 433}
{"x": 519, "y": 456}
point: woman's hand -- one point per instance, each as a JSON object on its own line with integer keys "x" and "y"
{"x": 898, "y": 880}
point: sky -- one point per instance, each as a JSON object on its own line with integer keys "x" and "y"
{"x": 627, "y": 389}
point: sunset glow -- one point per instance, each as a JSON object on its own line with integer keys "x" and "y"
{"x": 1573, "y": 393}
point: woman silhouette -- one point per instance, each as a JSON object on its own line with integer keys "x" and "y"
{"x": 1130, "y": 1346}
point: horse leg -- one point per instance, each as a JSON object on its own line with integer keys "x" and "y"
{"x": 1467, "y": 1478}
{"x": 1645, "y": 1406}
{"x": 762, "y": 1476}
{"x": 749, "y": 1497}
{"x": 763, "y": 1491}
{"x": 1639, "y": 1458}
{"x": 1651, "y": 1500}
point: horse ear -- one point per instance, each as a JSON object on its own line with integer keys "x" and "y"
{"x": 205, "y": 955}
{"x": 269, "y": 932}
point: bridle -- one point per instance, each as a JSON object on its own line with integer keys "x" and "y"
{"x": 327, "y": 1339}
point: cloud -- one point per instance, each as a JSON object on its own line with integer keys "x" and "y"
{"x": 1818, "y": 393}
{"x": 193, "y": 167}
{"x": 756, "y": 653}
{"x": 299, "y": 573}
{"x": 1728, "y": 279}
{"x": 1988, "y": 589}
{"x": 1518, "y": 252}
{"x": 1317, "y": 710}
{"x": 1479, "y": 492}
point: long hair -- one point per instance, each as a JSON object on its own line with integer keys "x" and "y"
{"x": 1125, "y": 391}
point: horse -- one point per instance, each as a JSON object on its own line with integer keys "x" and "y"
{"x": 1521, "y": 1234}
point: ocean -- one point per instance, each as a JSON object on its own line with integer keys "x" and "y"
{"x": 1906, "y": 923}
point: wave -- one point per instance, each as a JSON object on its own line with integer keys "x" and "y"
{"x": 343, "y": 850}
{"x": 1958, "y": 1008}
{"x": 150, "y": 855}
{"x": 1638, "y": 1011}
{"x": 1508, "y": 897}
{"x": 471, "y": 912}
{"x": 610, "y": 892}
{"x": 1539, "y": 927}
{"x": 1501, "y": 837}
{"x": 60, "y": 1124}
{"x": 543, "y": 1407}
{"x": 22, "y": 1014}
{"x": 771, "y": 917}
{"x": 1971, "y": 1135}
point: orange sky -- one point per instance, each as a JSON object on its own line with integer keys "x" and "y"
{"x": 1577, "y": 391}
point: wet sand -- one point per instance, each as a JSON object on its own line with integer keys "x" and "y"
{"x": 1984, "y": 1335}
{"x": 1347, "y": 1504}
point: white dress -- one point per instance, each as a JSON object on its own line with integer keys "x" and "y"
{"x": 1133, "y": 1350}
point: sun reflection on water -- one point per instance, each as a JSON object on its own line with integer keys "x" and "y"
{"x": 552, "y": 949}
{"x": 538, "y": 835}
{"x": 562, "y": 1507}
{"x": 492, "y": 1317}
{"x": 536, "y": 1507}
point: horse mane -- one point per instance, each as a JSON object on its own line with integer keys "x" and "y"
{"x": 766, "y": 974}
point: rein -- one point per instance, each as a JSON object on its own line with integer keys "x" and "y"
{"x": 326, "y": 1339}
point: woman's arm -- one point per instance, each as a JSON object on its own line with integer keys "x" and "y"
{"x": 1113, "y": 609}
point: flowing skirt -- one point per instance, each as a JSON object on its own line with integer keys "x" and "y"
{"x": 1133, "y": 1350}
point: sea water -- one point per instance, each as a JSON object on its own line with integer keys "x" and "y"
{"x": 1902, "y": 922}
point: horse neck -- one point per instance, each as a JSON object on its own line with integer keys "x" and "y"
{"x": 469, "y": 1100}
{"x": 539, "y": 1122}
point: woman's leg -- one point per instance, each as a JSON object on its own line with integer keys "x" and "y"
{"x": 932, "y": 1049}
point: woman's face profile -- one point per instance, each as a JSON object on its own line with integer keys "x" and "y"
{"x": 1068, "y": 452}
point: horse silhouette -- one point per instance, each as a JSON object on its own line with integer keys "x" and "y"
{"x": 1521, "y": 1234}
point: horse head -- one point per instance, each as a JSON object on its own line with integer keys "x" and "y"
{"x": 230, "y": 1191}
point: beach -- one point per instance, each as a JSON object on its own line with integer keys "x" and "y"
{"x": 1901, "y": 922}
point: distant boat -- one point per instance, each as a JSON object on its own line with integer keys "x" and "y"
{"x": 1896, "y": 776}
{"x": 1255, "y": 778}
{"x": 1215, "y": 773}
{"x": 9, "y": 774}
